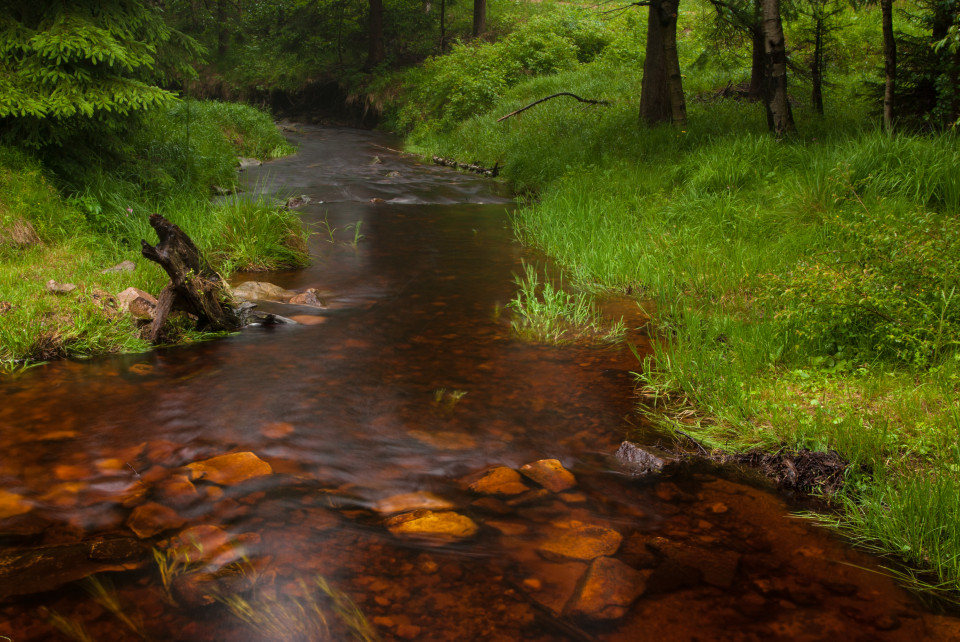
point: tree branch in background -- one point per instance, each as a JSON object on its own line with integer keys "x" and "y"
{"x": 562, "y": 93}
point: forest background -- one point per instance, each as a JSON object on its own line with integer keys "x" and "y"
{"x": 777, "y": 183}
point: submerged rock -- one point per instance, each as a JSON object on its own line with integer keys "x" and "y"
{"x": 501, "y": 481}
{"x": 248, "y": 163}
{"x": 550, "y": 474}
{"x": 442, "y": 527}
{"x": 582, "y": 543}
{"x": 149, "y": 519}
{"x": 44, "y": 568}
{"x": 311, "y": 297}
{"x": 607, "y": 590}
{"x": 412, "y": 501}
{"x": 718, "y": 568}
{"x": 229, "y": 469}
{"x": 12, "y": 504}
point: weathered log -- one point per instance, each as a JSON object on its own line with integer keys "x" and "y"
{"x": 194, "y": 287}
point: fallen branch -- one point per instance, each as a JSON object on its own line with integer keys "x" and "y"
{"x": 542, "y": 100}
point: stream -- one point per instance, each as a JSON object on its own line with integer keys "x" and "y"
{"x": 396, "y": 466}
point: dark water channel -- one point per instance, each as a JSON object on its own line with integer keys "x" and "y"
{"x": 395, "y": 396}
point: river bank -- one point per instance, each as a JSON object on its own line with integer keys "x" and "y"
{"x": 70, "y": 238}
{"x": 804, "y": 290}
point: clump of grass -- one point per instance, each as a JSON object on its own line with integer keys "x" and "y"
{"x": 550, "y": 314}
{"x": 307, "y": 616}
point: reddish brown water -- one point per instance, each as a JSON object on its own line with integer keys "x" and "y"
{"x": 410, "y": 380}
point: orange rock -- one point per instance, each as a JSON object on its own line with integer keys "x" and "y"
{"x": 550, "y": 474}
{"x": 229, "y": 469}
{"x": 149, "y": 519}
{"x": 583, "y": 543}
{"x": 443, "y": 527}
{"x": 277, "y": 430}
{"x": 12, "y": 504}
{"x": 501, "y": 481}
{"x": 607, "y": 590}
{"x": 178, "y": 490}
{"x": 412, "y": 501}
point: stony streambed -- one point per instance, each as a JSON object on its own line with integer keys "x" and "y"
{"x": 396, "y": 466}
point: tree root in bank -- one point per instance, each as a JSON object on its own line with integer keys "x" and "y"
{"x": 804, "y": 470}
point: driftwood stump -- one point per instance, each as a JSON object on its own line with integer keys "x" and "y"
{"x": 194, "y": 287}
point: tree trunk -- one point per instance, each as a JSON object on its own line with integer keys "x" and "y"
{"x": 479, "y": 17}
{"x": 193, "y": 287}
{"x": 816, "y": 67}
{"x": 779, "y": 114}
{"x": 661, "y": 93}
{"x": 376, "y": 54}
{"x": 221, "y": 28}
{"x": 889, "y": 63}
{"x": 758, "y": 65}
{"x": 443, "y": 23}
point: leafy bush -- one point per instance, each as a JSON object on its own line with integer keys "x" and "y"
{"x": 470, "y": 79}
{"x": 890, "y": 288}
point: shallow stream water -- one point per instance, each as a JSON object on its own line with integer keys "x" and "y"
{"x": 396, "y": 395}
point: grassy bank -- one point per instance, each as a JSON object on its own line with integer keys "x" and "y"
{"x": 806, "y": 290}
{"x": 69, "y": 221}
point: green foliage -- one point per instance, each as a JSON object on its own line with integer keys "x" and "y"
{"x": 549, "y": 314}
{"x": 889, "y": 290}
{"x": 69, "y": 68}
{"x": 473, "y": 76}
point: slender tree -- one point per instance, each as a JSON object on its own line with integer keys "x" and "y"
{"x": 375, "y": 53}
{"x": 744, "y": 18}
{"x": 779, "y": 114}
{"x": 889, "y": 63}
{"x": 661, "y": 92}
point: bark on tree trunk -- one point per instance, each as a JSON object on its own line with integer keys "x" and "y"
{"x": 443, "y": 23}
{"x": 889, "y": 64}
{"x": 193, "y": 287}
{"x": 816, "y": 67}
{"x": 221, "y": 28}
{"x": 479, "y": 17}
{"x": 757, "y": 65}
{"x": 779, "y": 114}
{"x": 661, "y": 93}
{"x": 375, "y": 54}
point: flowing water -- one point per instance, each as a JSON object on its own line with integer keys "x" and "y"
{"x": 394, "y": 396}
